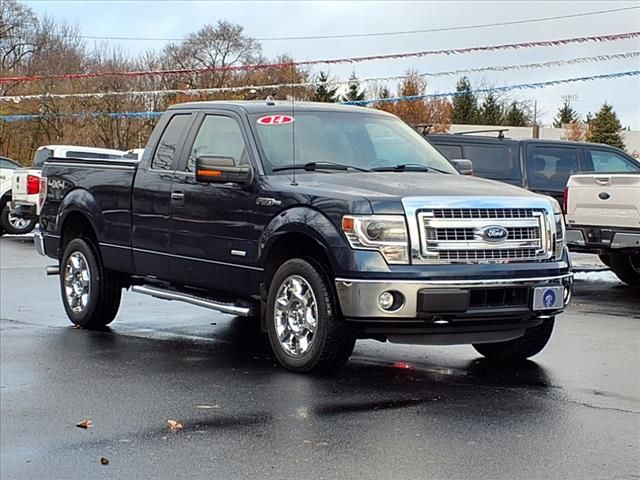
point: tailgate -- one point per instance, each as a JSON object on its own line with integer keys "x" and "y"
{"x": 611, "y": 200}
{"x": 19, "y": 184}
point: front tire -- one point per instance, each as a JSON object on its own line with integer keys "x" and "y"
{"x": 531, "y": 343}
{"x": 91, "y": 294}
{"x": 303, "y": 322}
{"x": 15, "y": 225}
{"x": 627, "y": 268}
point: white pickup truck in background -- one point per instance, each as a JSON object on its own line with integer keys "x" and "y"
{"x": 25, "y": 198}
{"x": 603, "y": 217}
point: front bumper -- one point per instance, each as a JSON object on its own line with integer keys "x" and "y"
{"x": 492, "y": 298}
{"x": 23, "y": 210}
{"x": 602, "y": 239}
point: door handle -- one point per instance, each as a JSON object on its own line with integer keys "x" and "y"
{"x": 177, "y": 196}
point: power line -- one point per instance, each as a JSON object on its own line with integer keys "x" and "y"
{"x": 334, "y": 61}
{"x": 521, "y": 86}
{"x": 382, "y": 34}
{"x": 197, "y": 91}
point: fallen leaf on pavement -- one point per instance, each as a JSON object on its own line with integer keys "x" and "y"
{"x": 104, "y": 461}
{"x": 174, "y": 425}
{"x": 85, "y": 424}
{"x": 207, "y": 407}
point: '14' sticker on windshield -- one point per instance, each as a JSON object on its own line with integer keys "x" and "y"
{"x": 275, "y": 120}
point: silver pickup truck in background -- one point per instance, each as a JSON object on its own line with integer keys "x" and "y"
{"x": 603, "y": 217}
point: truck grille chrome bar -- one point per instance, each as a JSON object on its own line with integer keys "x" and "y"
{"x": 472, "y": 230}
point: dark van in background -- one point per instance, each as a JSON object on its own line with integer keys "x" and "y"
{"x": 542, "y": 166}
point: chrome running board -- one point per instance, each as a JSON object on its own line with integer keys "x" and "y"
{"x": 193, "y": 300}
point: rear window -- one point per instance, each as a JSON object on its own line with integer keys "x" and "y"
{"x": 41, "y": 156}
{"x": 492, "y": 161}
{"x": 8, "y": 164}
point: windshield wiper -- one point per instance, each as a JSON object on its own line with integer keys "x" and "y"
{"x": 324, "y": 165}
{"x": 414, "y": 167}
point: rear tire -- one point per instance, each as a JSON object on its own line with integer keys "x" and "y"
{"x": 627, "y": 268}
{"x": 531, "y": 343}
{"x": 15, "y": 225}
{"x": 303, "y": 322}
{"x": 91, "y": 294}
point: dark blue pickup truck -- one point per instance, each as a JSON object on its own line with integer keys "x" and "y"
{"x": 325, "y": 223}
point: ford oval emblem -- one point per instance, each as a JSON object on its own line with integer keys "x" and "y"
{"x": 604, "y": 196}
{"x": 493, "y": 233}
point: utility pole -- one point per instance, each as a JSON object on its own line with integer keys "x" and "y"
{"x": 536, "y": 127}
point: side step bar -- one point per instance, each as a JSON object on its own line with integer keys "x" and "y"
{"x": 193, "y": 300}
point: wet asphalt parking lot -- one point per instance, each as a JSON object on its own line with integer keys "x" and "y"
{"x": 393, "y": 412}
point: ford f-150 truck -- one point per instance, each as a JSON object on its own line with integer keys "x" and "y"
{"x": 603, "y": 217}
{"x": 327, "y": 223}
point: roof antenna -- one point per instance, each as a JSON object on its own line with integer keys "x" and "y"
{"x": 293, "y": 128}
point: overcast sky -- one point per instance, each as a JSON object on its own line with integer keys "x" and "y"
{"x": 268, "y": 19}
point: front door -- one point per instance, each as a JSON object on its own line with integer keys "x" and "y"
{"x": 215, "y": 230}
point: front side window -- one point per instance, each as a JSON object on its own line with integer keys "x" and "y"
{"x": 549, "y": 168}
{"x": 606, "y": 161}
{"x": 218, "y": 136}
{"x": 166, "y": 154}
{"x": 6, "y": 163}
{"x": 359, "y": 140}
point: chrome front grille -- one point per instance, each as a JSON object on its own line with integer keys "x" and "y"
{"x": 483, "y": 212}
{"x": 458, "y": 235}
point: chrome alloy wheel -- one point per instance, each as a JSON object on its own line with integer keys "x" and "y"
{"x": 295, "y": 315}
{"x": 77, "y": 282}
{"x": 17, "y": 222}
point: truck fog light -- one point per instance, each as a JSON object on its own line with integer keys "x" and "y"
{"x": 390, "y": 301}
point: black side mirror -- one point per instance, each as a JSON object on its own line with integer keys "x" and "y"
{"x": 464, "y": 166}
{"x": 212, "y": 169}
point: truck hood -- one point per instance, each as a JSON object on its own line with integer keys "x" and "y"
{"x": 385, "y": 190}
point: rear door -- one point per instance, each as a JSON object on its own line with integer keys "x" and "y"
{"x": 215, "y": 227}
{"x": 152, "y": 196}
{"x": 549, "y": 166}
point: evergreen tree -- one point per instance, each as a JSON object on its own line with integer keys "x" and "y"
{"x": 465, "y": 104}
{"x": 490, "y": 111}
{"x": 354, "y": 94}
{"x": 516, "y": 116}
{"x": 323, "y": 93}
{"x": 605, "y": 127}
{"x": 566, "y": 114}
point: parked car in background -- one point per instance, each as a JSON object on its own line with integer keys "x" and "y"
{"x": 542, "y": 166}
{"x": 603, "y": 217}
{"x": 25, "y": 205}
{"x": 10, "y": 223}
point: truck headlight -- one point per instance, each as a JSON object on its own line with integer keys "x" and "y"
{"x": 385, "y": 233}
{"x": 558, "y": 218}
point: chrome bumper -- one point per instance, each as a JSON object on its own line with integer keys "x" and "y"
{"x": 38, "y": 241}
{"x": 359, "y": 298}
{"x": 620, "y": 239}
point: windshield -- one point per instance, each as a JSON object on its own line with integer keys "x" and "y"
{"x": 362, "y": 141}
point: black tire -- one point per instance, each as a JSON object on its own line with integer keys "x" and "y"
{"x": 12, "y": 229}
{"x": 531, "y": 343}
{"x": 332, "y": 341}
{"x": 606, "y": 259}
{"x": 627, "y": 268}
{"x": 104, "y": 289}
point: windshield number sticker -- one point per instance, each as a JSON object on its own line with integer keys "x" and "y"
{"x": 275, "y": 120}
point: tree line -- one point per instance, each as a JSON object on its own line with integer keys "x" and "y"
{"x": 41, "y": 46}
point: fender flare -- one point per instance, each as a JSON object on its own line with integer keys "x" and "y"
{"x": 81, "y": 201}
{"x": 301, "y": 220}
